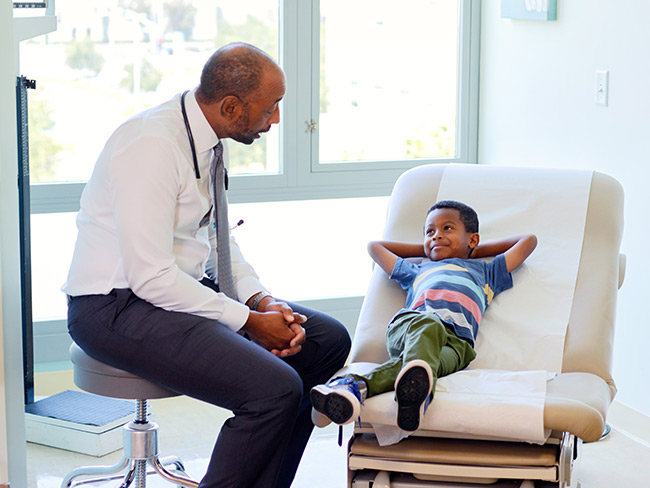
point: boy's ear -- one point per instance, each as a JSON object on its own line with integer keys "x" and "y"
{"x": 473, "y": 240}
{"x": 231, "y": 107}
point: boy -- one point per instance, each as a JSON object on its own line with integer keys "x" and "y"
{"x": 446, "y": 298}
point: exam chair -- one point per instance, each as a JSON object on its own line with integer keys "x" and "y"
{"x": 576, "y": 395}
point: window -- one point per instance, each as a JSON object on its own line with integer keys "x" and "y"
{"x": 388, "y": 81}
{"x": 109, "y": 60}
{"x": 374, "y": 87}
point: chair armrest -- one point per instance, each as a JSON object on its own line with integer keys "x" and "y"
{"x": 577, "y": 403}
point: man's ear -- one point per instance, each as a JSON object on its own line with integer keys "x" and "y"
{"x": 231, "y": 107}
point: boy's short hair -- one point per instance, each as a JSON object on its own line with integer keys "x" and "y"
{"x": 468, "y": 215}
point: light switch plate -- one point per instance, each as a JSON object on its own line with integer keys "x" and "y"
{"x": 602, "y": 88}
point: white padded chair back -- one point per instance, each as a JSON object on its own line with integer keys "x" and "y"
{"x": 588, "y": 342}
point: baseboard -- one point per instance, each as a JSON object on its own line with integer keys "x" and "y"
{"x": 629, "y": 421}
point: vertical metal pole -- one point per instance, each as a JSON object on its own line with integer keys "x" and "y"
{"x": 22, "y": 84}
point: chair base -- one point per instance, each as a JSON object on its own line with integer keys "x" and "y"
{"x": 431, "y": 461}
{"x": 133, "y": 473}
{"x": 140, "y": 451}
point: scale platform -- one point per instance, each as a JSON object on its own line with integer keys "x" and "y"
{"x": 78, "y": 421}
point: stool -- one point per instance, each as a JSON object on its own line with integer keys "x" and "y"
{"x": 140, "y": 435}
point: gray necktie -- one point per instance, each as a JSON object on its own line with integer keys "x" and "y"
{"x": 224, "y": 269}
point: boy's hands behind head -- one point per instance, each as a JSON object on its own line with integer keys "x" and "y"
{"x": 385, "y": 253}
{"x": 516, "y": 249}
{"x": 518, "y": 253}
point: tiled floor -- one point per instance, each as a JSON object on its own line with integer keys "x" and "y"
{"x": 188, "y": 429}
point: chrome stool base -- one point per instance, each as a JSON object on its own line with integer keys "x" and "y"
{"x": 140, "y": 450}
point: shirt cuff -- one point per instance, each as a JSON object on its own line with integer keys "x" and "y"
{"x": 234, "y": 315}
{"x": 247, "y": 287}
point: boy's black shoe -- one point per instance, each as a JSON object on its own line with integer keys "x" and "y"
{"x": 413, "y": 393}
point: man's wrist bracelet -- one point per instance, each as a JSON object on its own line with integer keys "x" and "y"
{"x": 258, "y": 298}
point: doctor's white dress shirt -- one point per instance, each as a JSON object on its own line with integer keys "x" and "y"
{"x": 146, "y": 224}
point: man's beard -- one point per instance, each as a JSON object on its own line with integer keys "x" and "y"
{"x": 238, "y": 131}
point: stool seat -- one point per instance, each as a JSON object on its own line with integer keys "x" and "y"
{"x": 96, "y": 377}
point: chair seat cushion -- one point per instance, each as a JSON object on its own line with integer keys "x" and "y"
{"x": 574, "y": 402}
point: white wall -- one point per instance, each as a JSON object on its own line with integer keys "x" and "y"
{"x": 537, "y": 108}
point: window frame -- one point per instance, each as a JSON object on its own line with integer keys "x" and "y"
{"x": 465, "y": 153}
{"x": 302, "y": 176}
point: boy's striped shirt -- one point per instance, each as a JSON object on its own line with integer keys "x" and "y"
{"x": 457, "y": 290}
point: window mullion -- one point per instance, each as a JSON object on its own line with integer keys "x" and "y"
{"x": 55, "y": 197}
{"x": 468, "y": 94}
{"x": 289, "y": 62}
{"x": 305, "y": 95}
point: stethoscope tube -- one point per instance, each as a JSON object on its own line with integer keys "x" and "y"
{"x": 190, "y": 137}
{"x": 197, "y": 173}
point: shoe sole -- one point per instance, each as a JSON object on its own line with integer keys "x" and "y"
{"x": 334, "y": 405}
{"x": 412, "y": 390}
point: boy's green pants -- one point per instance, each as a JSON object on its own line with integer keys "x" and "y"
{"x": 419, "y": 336}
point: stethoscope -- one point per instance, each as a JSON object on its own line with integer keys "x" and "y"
{"x": 190, "y": 137}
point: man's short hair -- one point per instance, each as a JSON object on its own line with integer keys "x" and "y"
{"x": 468, "y": 215}
{"x": 236, "y": 69}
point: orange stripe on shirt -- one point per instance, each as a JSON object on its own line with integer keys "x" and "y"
{"x": 450, "y": 296}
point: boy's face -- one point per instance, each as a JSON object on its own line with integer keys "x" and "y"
{"x": 445, "y": 235}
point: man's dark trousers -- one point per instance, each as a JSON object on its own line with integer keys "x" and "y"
{"x": 261, "y": 445}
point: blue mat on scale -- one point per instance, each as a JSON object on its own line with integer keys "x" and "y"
{"x": 82, "y": 408}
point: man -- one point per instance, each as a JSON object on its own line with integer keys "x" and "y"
{"x": 138, "y": 297}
